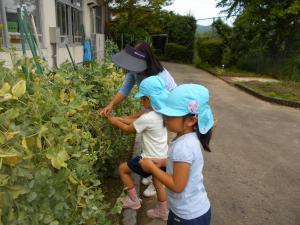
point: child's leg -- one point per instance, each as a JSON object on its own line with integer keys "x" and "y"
{"x": 125, "y": 175}
{"x": 160, "y": 190}
{"x": 161, "y": 210}
{"x": 131, "y": 200}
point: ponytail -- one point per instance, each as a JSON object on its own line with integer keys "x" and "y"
{"x": 204, "y": 138}
{"x": 153, "y": 65}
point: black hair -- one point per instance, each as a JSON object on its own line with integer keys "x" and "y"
{"x": 203, "y": 138}
{"x": 153, "y": 65}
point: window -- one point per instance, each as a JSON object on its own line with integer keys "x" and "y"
{"x": 11, "y": 17}
{"x": 98, "y": 19}
{"x": 69, "y": 20}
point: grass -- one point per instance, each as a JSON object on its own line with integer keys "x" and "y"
{"x": 286, "y": 90}
{"x": 233, "y": 72}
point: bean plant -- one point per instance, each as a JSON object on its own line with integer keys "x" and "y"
{"x": 54, "y": 148}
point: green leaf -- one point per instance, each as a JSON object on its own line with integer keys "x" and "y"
{"x": 57, "y": 120}
{"x": 32, "y": 196}
{"x": 55, "y": 222}
{"x": 6, "y": 97}
{"x": 58, "y": 159}
{"x": 16, "y": 190}
{"x": 19, "y": 89}
{"x": 10, "y": 158}
{"x": 5, "y": 89}
{"x": 3, "y": 180}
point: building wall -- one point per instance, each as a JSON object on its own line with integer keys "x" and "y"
{"x": 48, "y": 19}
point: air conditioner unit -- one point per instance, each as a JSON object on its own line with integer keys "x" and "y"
{"x": 98, "y": 43}
{"x": 54, "y": 35}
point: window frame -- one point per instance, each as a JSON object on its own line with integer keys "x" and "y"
{"x": 6, "y": 34}
{"x": 98, "y": 18}
{"x": 69, "y": 21}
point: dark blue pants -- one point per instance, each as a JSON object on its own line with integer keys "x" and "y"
{"x": 202, "y": 220}
{"x": 134, "y": 165}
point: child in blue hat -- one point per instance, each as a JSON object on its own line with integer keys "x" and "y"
{"x": 187, "y": 113}
{"x": 153, "y": 94}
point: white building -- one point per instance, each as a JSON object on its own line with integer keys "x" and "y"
{"x": 58, "y": 22}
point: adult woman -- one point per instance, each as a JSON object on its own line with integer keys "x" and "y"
{"x": 140, "y": 61}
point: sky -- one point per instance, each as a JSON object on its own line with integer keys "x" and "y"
{"x": 198, "y": 8}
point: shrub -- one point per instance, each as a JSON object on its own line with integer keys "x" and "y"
{"x": 209, "y": 50}
{"x": 295, "y": 65}
{"x": 110, "y": 49}
{"x": 180, "y": 29}
{"x": 283, "y": 69}
{"x": 54, "y": 149}
{"x": 178, "y": 53}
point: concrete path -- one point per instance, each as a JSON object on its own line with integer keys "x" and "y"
{"x": 252, "y": 175}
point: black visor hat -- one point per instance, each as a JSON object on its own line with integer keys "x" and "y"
{"x": 130, "y": 59}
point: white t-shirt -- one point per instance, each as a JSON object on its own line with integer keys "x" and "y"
{"x": 154, "y": 135}
{"x": 192, "y": 202}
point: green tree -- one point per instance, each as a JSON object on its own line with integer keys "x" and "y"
{"x": 180, "y": 29}
{"x": 134, "y": 9}
{"x": 265, "y": 32}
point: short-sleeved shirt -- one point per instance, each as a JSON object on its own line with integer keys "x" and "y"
{"x": 154, "y": 135}
{"x": 192, "y": 202}
{"x": 132, "y": 78}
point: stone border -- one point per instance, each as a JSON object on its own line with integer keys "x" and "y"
{"x": 267, "y": 98}
{"x": 129, "y": 216}
{"x": 256, "y": 94}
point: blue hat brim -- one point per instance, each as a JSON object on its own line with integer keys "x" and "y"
{"x": 167, "y": 111}
{"x": 138, "y": 95}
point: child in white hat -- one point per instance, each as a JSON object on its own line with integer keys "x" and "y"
{"x": 153, "y": 94}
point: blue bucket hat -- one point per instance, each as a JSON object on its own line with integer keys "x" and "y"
{"x": 155, "y": 88}
{"x": 190, "y": 99}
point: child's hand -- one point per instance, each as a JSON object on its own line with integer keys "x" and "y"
{"x": 147, "y": 164}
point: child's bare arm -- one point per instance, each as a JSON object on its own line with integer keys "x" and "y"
{"x": 116, "y": 121}
{"x": 134, "y": 116}
{"x": 127, "y": 120}
{"x": 131, "y": 118}
{"x": 175, "y": 182}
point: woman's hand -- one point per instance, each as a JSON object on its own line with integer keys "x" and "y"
{"x": 106, "y": 111}
{"x": 147, "y": 165}
{"x": 117, "y": 99}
